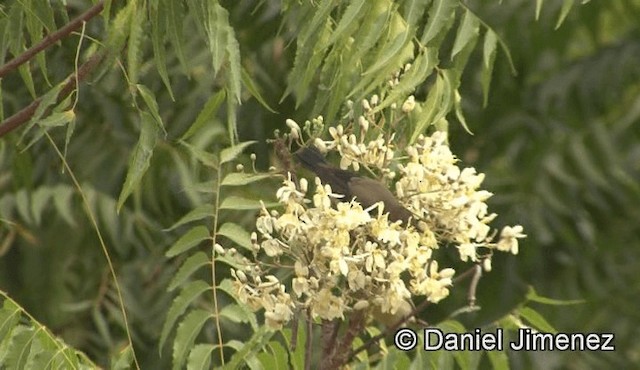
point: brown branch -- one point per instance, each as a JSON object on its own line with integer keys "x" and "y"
{"x": 51, "y": 39}
{"x": 27, "y": 112}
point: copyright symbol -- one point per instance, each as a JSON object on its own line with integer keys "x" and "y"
{"x": 405, "y": 339}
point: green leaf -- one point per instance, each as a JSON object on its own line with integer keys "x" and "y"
{"x": 188, "y": 267}
{"x": 413, "y": 11}
{"x": 240, "y": 203}
{"x": 189, "y": 240}
{"x": 198, "y": 213}
{"x": 58, "y": 119}
{"x": 467, "y": 32}
{"x": 150, "y": 100}
{"x": 190, "y": 293}
{"x": 350, "y": 19}
{"x": 206, "y": 114}
{"x": 242, "y": 178}
{"x": 536, "y": 320}
{"x": 47, "y": 100}
{"x": 457, "y": 106}
{"x": 175, "y": 15}
{"x": 253, "y": 90}
{"x": 236, "y": 313}
{"x": 441, "y": 17}
{"x": 158, "y": 20}
{"x": 489, "y": 58}
{"x": 22, "y": 204}
{"x": 311, "y": 29}
{"x": 421, "y": 68}
{"x": 217, "y": 28}
{"x": 234, "y": 76}
{"x": 200, "y": 357}
{"x": 140, "y": 158}
{"x": 564, "y": 11}
{"x": 237, "y": 234}
{"x": 133, "y": 45}
{"x": 436, "y": 106}
{"x": 25, "y": 73}
{"x": 259, "y": 339}
{"x": 186, "y": 335}
{"x": 123, "y": 359}
{"x": 9, "y": 317}
{"x": 39, "y": 200}
{"x": 538, "y": 8}
{"x": 499, "y": 360}
{"x": 54, "y": 120}
{"x": 276, "y": 357}
{"x": 118, "y": 31}
{"x": 204, "y": 157}
{"x": 21, "y": 342}
{"x": 390, "y": 54}
{"x": 533, "y": 296}
{"x": 231, "y": 153}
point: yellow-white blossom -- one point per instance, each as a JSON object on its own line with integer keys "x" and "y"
{"x": 343, "y": 257}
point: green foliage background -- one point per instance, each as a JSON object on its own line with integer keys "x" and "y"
{"x": 187, "y": 80}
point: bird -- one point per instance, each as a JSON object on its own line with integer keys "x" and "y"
{"x": 365, "y": 190}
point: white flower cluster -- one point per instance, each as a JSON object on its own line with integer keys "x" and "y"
{"x": 341, "y": 257}
{"x": 447, "y": 199}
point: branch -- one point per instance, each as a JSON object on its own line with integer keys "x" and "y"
{"x": 51, "y": 39}
{"x": 26, "y": 113}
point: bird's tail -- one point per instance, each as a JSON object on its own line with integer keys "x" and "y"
{"x": 310, "y": 157}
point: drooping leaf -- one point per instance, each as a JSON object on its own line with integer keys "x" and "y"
{"x": 150, "y": 100}
{"x": 158, "y": 20}
{"x": 141, "y": 156}
{"x": 133, "y": 45}
{"x": 488, "y": 60}
{"x": 175, "y": 15}
{"x": 564, "y": 11}
{"x": 467, "y": 32}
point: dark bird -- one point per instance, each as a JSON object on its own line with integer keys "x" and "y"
{"x": 367, "y": 191}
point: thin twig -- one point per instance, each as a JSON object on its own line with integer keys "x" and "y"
{"x": 477, "y": 274}
{"x": 51, "y": 39}
{"x": 308, "y": 347}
